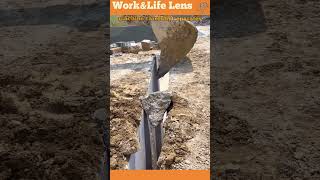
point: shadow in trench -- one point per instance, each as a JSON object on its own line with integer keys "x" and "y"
{"x": 185, "y": 66}
{"x": 83, "y": 17}
{"x": 234, "y": 18}
{"x": 133, "y": 66}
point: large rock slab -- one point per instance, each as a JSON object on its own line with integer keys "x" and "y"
{"x": 155, "y": 105}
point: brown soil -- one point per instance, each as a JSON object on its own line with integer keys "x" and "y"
{"x": 53, "y": 78}
{"x": 179, "y": 128}
{"x": 190, "y": 117}
{"x": 128, "y": 83}
{"x": 266, "y": 91}
{"x": 125, "y": 118}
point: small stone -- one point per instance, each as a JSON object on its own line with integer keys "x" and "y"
{"x": 116, "y": 50}
{"x": 184, "y": 147}
{"x": 298, "y": 155}
{"x": 135, "y": 48}
{"x": 113, "y": 162}
{"x": 178, "y": 159}
{"x": 126, "y": 47}
{"x": 117, "y": 55}
{"x": 146, "y": 45}
{"x": 120, "y": 44}
{"x": 100, "y": 114}
{"x": 170, "y": 158}
{"x": 155, "y": 45}
{"x": 113, "y": 45}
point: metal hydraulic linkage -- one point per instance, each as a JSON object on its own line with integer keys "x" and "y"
{"x": 150, "y": 137}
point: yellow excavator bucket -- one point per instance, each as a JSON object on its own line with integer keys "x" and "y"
{"x": 176, "y": 39}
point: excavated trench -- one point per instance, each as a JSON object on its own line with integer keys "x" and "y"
{"x": 188, "y": 117}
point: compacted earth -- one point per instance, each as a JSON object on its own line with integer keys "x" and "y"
{"x": 53, "y": 77}
{"x": 266, "y": 87}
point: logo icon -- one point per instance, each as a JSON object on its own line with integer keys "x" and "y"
{"x": 203, "y": 5}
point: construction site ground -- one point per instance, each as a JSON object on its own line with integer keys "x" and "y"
{"x": 266, "y": 89}
{"x": 53, "y": 77}
{"x": 186, "y": 139}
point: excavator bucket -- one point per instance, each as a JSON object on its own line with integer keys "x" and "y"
{"x": 176, "y": 39}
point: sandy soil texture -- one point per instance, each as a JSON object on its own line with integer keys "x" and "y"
{"x": 125, "y": 111}
{"x": 129, "y": 81}
{"x": 266, "y": 90}
{"x": 186, "y": 139}
{"x": 190, "y": 80}
{"x": 52, "y": 80}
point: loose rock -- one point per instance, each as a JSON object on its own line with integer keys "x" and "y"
{"x": 155, "y": 105}
{"x": 116, "y": 50}
{"x": 146, "y": 45}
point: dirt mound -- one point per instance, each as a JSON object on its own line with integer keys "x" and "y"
{"x": 125, "y": 116}
{"x": 125, "y": 119}
{"x": 231, "y": 130}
